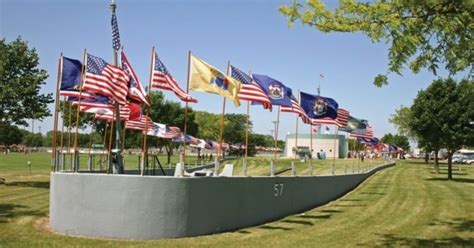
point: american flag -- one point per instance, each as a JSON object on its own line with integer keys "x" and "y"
{"x": 297, "y": 109}
{"x": 115, "y": 33}
{"x": 163, "y": 131}
{"x": 369, "y": 133}
{"x": 95, "y": 104}
{"x": 162, "y": 79}
{"x": 139, "y": 124}
{"x": 188, "y": 139}
{"x": 130, "y": 111}
{"x": 136, "y": 90}
{"x": 340, "y": 121}
{"x": 106, "y": 79}
{"x": 249, "y": 90}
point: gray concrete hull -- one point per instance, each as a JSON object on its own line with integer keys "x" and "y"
{"x": 156, "y": 207}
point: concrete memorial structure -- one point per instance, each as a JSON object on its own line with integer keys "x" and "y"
{"x": 155, "y": 207}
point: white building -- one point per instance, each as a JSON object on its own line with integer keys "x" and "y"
{"x": 331, "y": 144}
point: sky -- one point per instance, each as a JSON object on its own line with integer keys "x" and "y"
{"x": 252, "y": 35}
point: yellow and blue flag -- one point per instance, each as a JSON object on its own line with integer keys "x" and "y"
{"x": 207, "y": 78}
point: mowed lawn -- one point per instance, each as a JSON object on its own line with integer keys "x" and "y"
{"x": 405, "y": 205}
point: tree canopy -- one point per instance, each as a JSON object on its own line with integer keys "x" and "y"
{"x": 397, "y": 140}
{"x": 441, "y": 116}
{"x": 421, "y": 34}
{"x": 20, "y": 84}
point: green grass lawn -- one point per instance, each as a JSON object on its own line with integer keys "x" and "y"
{"x": 405, "y": 205}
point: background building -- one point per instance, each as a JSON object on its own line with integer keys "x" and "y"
{"x": 323, "y": 142}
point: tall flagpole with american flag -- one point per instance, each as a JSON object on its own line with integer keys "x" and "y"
{"x": 117, "y": 161}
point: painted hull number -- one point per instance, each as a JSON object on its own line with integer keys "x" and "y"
{"x": 278, "y": 189}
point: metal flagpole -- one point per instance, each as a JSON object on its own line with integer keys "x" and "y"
{"x": 221, "y": 138}
{"x": 311, "y": 148}
{"x": 110, "y": 143}
{"x": 117, "y": 161}
{"x": 144, "y": 159}
{"x": 83, "y": 71}
{"x": 276, "y": 133}
{"x": 90, "y": 144}
{"x": 69, "y": 130}
{"x": 296, "y": 130}
{"x": 104, "y": 143}
{"x": 334, "y": 151}
{"x": 220, "y": 152}
{"x": 123, "y": 136}
{"x": 247, "y": 126}
{"x": 186, "y": 115}
{"x": 56, "y": 107}
{"x": 62, "y": 131}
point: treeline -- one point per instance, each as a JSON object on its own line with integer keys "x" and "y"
{"x": 200, "y": 124}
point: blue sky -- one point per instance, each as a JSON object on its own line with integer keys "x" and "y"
{"x": 253, "y": 35}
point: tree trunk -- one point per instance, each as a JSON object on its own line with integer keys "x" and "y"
{"x": 450, "y": 167}
{"x": 427, "y": 158}
{"x": 436, "y": 164}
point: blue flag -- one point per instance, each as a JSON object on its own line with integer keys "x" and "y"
{"x": 71, "y": 74}
{"x": 317, "y": 107}
{"x": 276, "y": 91}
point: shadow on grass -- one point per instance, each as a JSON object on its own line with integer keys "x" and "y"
{"x": 459, "y": 180}
{"x": 372, "y": 193}
{"x": 458, "y": 224}
{"x": 392, "y": 240}
{"x": 331, "y": 211}
{"x": 8, "y": 211}
{"x": 446, "y": 173}
{"x": 310, "y": 216}
{"x": 267, "y": 227}
{"x": 301, "y": 222}
{"x": 31, "y": 184}
{"x": 351, "y": 200}
{"x": 350, "y": 205}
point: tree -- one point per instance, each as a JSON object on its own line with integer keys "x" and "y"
{"x": 172, "y": 114}
{"x": 397, "y": 140}
{"x": 441, "y": 117}
{"x": 10, "y": 135}
{"x": 33, "y": 140}
{"x": 20, "y": 83}
{"x": 421, "y": 34}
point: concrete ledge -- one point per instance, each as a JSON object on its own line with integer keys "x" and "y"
{"x": 155, "y": 207}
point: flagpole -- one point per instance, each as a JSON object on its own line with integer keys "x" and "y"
{"x": 104, "y": 142}
{"x": 186, "y": 114}
{"x": 334, "y": 151}
{"x": 296, "y": 130}
{"x": 56, "y": 107}
{"x": 221, "y": 138}
{"x": 110, "y": 142}
{"x": 311, "y": 147}
{"x": 69, "y": 129}
{"x": 76, "y": 152}
{"x": 220, "y": 152}
{"x": 247, "y": 130}
{"x": 247, "y": 126}
{"x": 62, "y": 128}
{"x": 118, "y": 161}
{"x": 123, "y": 135}
{"x": 90, "y": 142}
{"x": 276, "y": 132}
{"x": 145, "y": 133}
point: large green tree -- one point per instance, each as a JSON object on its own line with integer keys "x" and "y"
{"x": 20, "y": 84}
{"x": 441, "y": 116}
{"x": 10, "y": 135}
{"x": 421, "y": 34}
{"x": 397, "y": 140}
